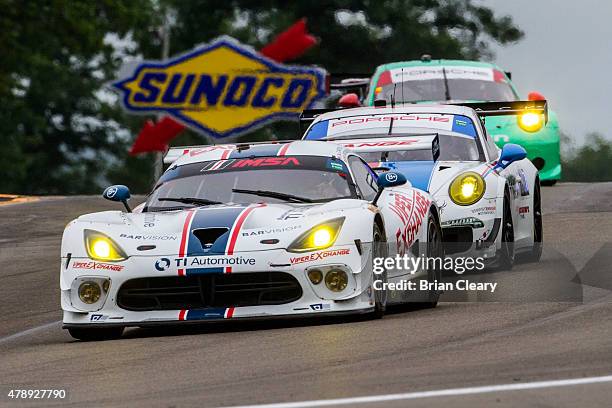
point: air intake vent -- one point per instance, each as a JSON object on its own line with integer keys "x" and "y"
{"x": 208, "y": 236}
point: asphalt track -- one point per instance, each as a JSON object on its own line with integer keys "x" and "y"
{"x": 548, "y": 321}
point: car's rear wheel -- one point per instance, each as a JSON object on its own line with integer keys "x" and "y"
{"x": 96, "y": 334}
{"x": 505, "y": 255}
{"x": 434, "y": 250}
{"x": 538, "y": 230}
{"x": 379, "y": 251}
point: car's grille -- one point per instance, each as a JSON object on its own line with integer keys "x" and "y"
{"x": 210, "y": 290}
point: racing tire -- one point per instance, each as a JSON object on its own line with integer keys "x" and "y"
{"x": 505, "y": 256}
{"x": 96, "y": 334}
{"x": 379, "y": 251}
{"x": 549, "y": 183}
{"x": 435, "y": 249}
{"x": 535, "y": 253}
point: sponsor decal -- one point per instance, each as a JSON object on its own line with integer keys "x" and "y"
{"x": 150, "y": 237}
{"x": 487, "y": 210}
{"x": 391, "y": 177}
{"x": 267, "y": 231}
{"x": 200, "y": 261}
{"x": 320, "y": 306}
{"x": 97, "y": 266}
{"x": 380, "y": 144}
{"x": 162, "y": 264}
{"x": 317, "y": 256}
{"x": 222, "y": 89}
{"x": 411, "y": 211}
{"x": 149, "y": 220}
{"x": 464, "y": 222}
{"x": 110, "y": 192}
{"x": 523, "y": 211}
{"x": 452, "y": 72}
{"x": 251, "y": 162}
{"x": 98, "y": 318}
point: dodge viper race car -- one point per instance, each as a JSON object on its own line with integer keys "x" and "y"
{"x": 489, "y": 199}
{"x": 246, "y": 231}
{"x": 428, "y": 80}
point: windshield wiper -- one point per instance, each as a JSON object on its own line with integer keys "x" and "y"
{"x": 274, "y": 194}
{"x": 190, "y": 200}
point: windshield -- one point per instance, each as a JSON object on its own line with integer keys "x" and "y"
{"x": 259, "y": 179}
{"x": 452, "y": 148}
{"x": 458, "y": 89}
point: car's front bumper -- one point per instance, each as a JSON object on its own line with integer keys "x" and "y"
{"x": 314, "y": 299}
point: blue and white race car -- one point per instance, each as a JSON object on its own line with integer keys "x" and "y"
{"x": 489, "y": 199}
{"x": 246, "y": 231}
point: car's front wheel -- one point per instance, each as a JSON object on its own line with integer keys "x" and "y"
{"x": 379, "y": 251}
{"x": 96, "y": 333}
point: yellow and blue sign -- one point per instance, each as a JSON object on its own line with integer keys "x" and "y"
{"x": 222, "y": 89}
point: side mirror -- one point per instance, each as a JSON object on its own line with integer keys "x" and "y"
{"x": 535, "y": 96}
{"x": 510, "y": 153}
{"x": 350, "y": 100}
{"x": 386, "y": 180}
{"x": 118, "y": 193}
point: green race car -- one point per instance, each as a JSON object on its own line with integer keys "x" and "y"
{"x": 430, "y": 80}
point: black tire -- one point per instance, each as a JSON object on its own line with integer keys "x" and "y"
{"x": 379, "y": 251}
{"x": 535, "y": 253}
{"x": 96, "y": 334}
{"x": 549, "y": 183}
{"x": 505, "y": 256}
{"x": 434, "y": 249}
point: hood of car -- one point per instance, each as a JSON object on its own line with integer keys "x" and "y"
{"x": 431, "y": 176}
{"x": 211, "y": 230}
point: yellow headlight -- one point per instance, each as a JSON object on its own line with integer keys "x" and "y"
{"x": 336, "y": 280}
{"x": 467, "y": 188}
{"x": 102, "y": 248}
{"x": 530, "y": 122}
{"x": 318, "y": 237}
{"x": 89, "y": 292}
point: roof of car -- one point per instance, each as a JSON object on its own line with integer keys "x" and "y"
{"x": 436, "y": 62}
{"x": 195, "y": 154}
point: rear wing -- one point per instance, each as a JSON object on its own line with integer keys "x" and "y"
{"x": 367, "y": 144}
{"x": 174, "y": 153}
{"x": 484, "y": 109}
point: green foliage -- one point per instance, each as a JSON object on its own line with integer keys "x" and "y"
{"x": 589, "y": 162}
{"x": 59, "y": 137}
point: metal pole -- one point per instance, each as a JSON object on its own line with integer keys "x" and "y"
{"x": 158, "y": 163}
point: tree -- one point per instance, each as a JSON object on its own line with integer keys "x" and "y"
{"x": 62, "y": 138}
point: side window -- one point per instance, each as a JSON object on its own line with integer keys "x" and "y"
{"x": 365, "y": 178}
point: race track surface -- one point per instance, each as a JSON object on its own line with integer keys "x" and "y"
{"x": 550, "y": 321}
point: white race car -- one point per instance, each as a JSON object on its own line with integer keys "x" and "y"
{"x": 246, "y": 231}
{"x": 489, "y": 199}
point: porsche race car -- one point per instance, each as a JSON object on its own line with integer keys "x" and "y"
{"x": 246, "y": 231}
{"x": 489, "y": 199}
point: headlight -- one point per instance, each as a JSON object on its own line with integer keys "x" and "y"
{"x": 530, "y": 122}
{"x": 318, "y": 237}
{"x": 102, "y": 248}
{"x": 467, "y": 188}
{"x": 89, "y": 292}
{"x": 336, "y": 280}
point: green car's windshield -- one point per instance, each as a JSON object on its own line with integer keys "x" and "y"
{"x": 252, "y": 180}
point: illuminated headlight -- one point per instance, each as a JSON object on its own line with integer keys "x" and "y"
{"x": 318, "y": 237}
{"x": 101, "y": 248}
{"x": 336, "y": 280}
{"x": 530, "y": 122}
{"x": 467, "y": 188}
